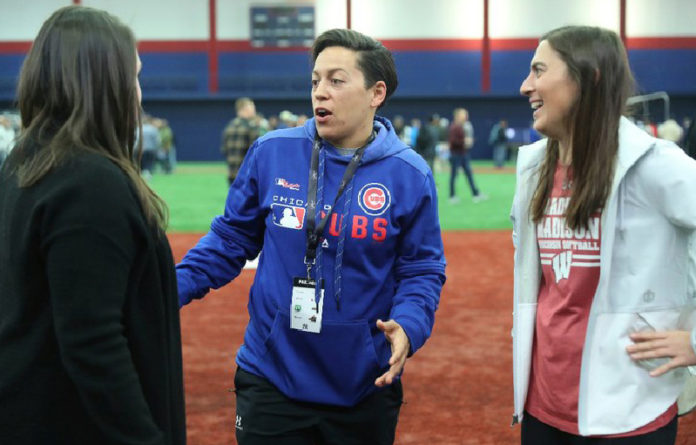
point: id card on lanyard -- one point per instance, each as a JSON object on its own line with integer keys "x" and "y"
{"x": 305, "y": 310}
{"x": 307, "y": 300}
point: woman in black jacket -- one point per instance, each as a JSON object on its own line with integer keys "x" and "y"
{"x": 90, "y": 347}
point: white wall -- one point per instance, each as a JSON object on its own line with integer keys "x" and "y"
{"x": 385, "y": 19}
{"x": 160, "y": 19}
{"x": 532, "y": 18}
{"x": 329, "y": 14}
{"x": 666, "y": 18}
{"x": 149, "y": 19}
{"x": 22, "y": 21}
{"x": 418, "y": 19}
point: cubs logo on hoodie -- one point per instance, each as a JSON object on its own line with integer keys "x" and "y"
{"x": 374, "y": 199}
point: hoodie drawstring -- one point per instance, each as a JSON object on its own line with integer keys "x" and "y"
{"x": 320, "y": 206}
{"x": 341, "y": 241}
{"x": 347, "y": 195}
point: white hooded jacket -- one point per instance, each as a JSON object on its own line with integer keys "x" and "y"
{"x": 647, "y": 281}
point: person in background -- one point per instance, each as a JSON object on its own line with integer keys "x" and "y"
{"x": 286, "y": 120}
{"x": 7, "y": 136}
{"x": 272, "y": 122}
{"x": 468, "y": 131}
{"x": 167, "y": 153}
{"x": 352, "y": 265}
{"x": 414, "y": 130}
{"x": 690, "y": 139}
{"x": 461, "y": 139}
{"x": 90, "y": 346}
{"x": 603, "y": 324}
{"x": 650, "y": 127}
{"x": 238, "y": 136}
{"x": 262, "y": 124}
{"x": 670, "y": 131}
{"x": 499, "y": 141}
{"x": 399, "y": 126}
{"x": 301, "y": 120}
{"x": 685, "y": 125}
{"x": 152, "y": 144}
{"x": 427, "y": 139}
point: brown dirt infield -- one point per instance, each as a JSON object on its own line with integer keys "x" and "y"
{"x": 457, "y": 389}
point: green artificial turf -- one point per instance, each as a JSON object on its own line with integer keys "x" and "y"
{"x": 196, "y": 193}
{"x": 490, "y": 214}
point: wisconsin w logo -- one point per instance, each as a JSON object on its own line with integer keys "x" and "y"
{"x": 561, "y": 265}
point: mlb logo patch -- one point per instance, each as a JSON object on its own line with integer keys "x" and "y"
{"x": 290, "y": 217}
{"x": 374, "y": 199}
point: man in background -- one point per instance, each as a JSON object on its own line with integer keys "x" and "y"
{"x": 166, "y": 156}
{"x": 461, "y": 139}
{"x": 286, "y": 119}
{"x": 427, "y": 139}
{"x": 238, "y": 136}
{"x": 499, "y": 141}
{"x": 152, "y": 144}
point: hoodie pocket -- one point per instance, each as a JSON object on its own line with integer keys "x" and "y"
{"x": 337, "y": 366}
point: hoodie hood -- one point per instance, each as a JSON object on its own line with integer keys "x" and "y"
{"x": 385, "y": 144}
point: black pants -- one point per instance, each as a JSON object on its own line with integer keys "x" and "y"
{"x": 266, "y": 417}
{"x": 536, "y": 432}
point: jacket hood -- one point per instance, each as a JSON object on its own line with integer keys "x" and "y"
{"x": 633, "y": 144}
{"x": 385, "y": 144}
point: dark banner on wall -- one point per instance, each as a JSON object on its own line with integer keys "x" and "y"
{"x": 281, "y": 26}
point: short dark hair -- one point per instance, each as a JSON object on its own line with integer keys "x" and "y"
{"x": 374, "y": 60}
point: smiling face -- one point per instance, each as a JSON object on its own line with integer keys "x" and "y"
{"x": 343, "y": 107}
{"x": 552, "y": 93}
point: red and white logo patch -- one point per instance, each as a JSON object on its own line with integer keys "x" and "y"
{"x": 374, "y": 199}
{"x": 287, "y": 184}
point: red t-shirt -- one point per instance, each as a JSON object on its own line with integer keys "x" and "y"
{"x": 570, "y": 273}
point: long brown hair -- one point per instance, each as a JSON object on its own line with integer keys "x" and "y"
{"x": 77, "y": 92}
{"x": 596, "y": 60}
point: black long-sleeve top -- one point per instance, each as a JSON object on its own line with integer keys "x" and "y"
{"x": 90, "y": 346}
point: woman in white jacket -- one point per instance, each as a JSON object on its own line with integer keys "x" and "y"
{"x": 604, "y": 221}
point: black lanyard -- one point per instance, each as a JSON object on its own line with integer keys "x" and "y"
{"x": 313, "y": 230}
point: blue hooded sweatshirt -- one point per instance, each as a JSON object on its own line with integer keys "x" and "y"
{"x": 393, "y": 265}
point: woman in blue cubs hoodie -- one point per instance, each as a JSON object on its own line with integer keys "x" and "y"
{"x": 320, "y": 363}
